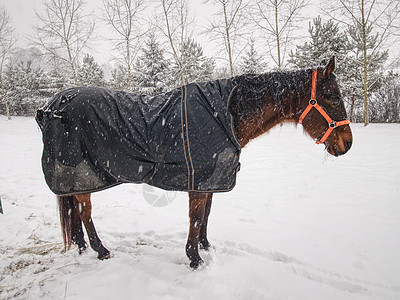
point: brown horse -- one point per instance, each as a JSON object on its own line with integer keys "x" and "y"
{"x": 259, "y": 103}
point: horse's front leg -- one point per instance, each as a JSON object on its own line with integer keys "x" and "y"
{"x": 85, "y": 211}
{"x": 197, "y": 208}
{"x": 204, "y": 243}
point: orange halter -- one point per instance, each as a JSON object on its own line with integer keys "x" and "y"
{"x": 313, "y": 103}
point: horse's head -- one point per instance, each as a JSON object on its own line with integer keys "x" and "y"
{"x": 324, "y": 116}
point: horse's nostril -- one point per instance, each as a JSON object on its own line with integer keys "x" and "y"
{"x": 347, "y": 145}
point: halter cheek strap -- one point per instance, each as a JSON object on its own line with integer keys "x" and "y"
{"x": 313, "y": 103}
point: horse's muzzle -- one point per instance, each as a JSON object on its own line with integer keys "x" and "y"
{"x": 336, "y": 150}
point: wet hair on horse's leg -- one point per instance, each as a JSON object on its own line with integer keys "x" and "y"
{"x": 85, "y": 212}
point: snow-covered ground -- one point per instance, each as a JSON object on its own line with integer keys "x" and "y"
{"x": 299, "y": 225}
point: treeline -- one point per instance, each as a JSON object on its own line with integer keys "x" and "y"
{"x": 28, "y": 85}
{"x": 155, "y": 52}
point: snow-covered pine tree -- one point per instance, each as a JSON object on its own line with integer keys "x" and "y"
{"x": 252, "y": 63}
{"x": 90, "y": 73}
{"x": 385, "y": 102}
{"x": 327, "y": 40}
{"x": 196, "y": 66}
{"x": 24, "y": 85}
{"x": 56, "y": 81}
{"x": 151, "y": 68}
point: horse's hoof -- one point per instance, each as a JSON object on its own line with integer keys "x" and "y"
{"x": 205, "y": 246}
{"x": 103, "y": 257}
{"x": 82, "y": 249}
{"x": 195, "y": 264}
{"x": 105, "y": 254}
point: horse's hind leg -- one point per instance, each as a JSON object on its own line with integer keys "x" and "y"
{"x": 77, "y": 234}
{"x": 85, "y": 212}
{"x": 197, "y": 209}
{"x": 203, "y": 241}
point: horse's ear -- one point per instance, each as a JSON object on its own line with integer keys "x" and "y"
{"x": 330, "y": 67}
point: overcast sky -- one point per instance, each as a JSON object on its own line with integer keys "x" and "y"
{"x": 22, "y": 14}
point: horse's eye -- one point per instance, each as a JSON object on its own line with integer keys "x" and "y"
{"x": 335, "y": 99}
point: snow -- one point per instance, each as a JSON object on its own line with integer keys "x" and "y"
{"x": 300, "y": 224}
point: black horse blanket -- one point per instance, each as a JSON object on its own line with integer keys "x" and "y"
{"x": 184, "y": 140}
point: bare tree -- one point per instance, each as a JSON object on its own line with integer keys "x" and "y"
{"x": 278, "y": 20}
{"x": 7, "y": 41}
{"x": 363, "y": 14}
{"x": 177, "y": 29}
{"x": 124, "y": 18}
{"x": 63, "y": 32}
{"x": 228, "y": 27}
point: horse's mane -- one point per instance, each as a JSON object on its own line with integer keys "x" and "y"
{"x": 283, "y": 88}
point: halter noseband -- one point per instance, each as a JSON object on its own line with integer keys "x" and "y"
{"x": 313, "y": 103}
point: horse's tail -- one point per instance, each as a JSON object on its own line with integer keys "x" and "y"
{"x": 66, "y": 207}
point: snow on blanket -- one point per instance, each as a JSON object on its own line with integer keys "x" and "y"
{"x": 298, "y": 225}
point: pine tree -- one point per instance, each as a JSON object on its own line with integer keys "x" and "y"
{"x": 57, "y": 81}
{"x": 196, "y": 66}
{"x": 24, "y": 85}
{"x": 151, "y": 68}
{"x": 90, "y": 73}
{"x": 252, "y": 63}
{"x": 326, "y": 41}
{"x": 385, "y": 102}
